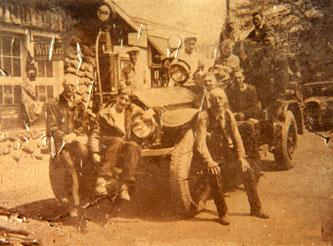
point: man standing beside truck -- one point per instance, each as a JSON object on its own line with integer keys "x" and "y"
{"x": 222, "y": 150}
{"x": 135, "y": 74}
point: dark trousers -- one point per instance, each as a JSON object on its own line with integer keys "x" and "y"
{"x": 250, "y": 132}
{"x": 71, "y": 155}
{"x": 230, "y": 170}
{"x": 249, "y": 181}
{"x": 120, "y": 154}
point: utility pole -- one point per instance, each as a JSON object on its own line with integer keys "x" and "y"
{"x": 228, "y": 8}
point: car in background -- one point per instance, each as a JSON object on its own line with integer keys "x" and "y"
{"x": 318, "y": 101}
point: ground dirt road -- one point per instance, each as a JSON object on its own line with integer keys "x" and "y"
{"x": 299, "y": 202}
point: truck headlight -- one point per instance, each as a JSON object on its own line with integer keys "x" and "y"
{"x": 144, "y": 124}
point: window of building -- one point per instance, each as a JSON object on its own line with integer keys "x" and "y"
{"x": 10, "y": 94}
{"x": 10, "y": 55}
{"x": 45, "y": 69}
{"x": 44, "y": 93}
{"x": 44, "y": 66}
{"x": 159, "y": 75}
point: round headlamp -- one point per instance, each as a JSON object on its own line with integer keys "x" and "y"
{"x": 143, "y": 125}
{"x": 179, "y": 71}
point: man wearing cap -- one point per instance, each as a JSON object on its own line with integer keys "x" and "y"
{"x": 67, "y": 126}
{"x": 224, "y": 150}
{"x": 134, "y": 74}
{"x": 112, "y": 129}
{"x": 192, "y": 58}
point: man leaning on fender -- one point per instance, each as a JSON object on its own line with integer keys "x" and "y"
{"x": 224, "y": 147}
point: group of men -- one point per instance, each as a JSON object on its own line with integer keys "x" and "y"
{"x": 106, "y": 138}
{"x": 231, "y": 106}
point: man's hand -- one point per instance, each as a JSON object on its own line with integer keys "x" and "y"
{"x": 69, "y": 138}
{"x": 96, "y": 158}
{"x": 214, "y": 168}
{"x": 244, "y": 165}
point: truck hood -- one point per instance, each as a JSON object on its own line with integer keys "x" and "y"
{"x": 165, "y": 96}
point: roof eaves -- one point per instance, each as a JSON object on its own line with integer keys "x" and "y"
{"x": 130, "y": 22}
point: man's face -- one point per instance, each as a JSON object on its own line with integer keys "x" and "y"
{"x": 69, "y": 89}
{"x": 230, "y": 26}
{"x": 210, "y": 82}
{"x": 133, "y": 57}
{"x": 218, "y": 101}
{"x": 123, "y": 100}
{"x": 190, "y": 45}
{"x": 227, "y": 50}
{"x": 269, "y": 40}
{"x": 239, "y": 80}
{"x": 257, "y": 20}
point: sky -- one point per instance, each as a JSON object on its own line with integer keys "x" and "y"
{"x": 204, "y": 17}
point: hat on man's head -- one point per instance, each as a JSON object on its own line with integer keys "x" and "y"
{"x": 191, "y": 37}
{"x": 133, "y": 50}
{"x": 124, "y": 90}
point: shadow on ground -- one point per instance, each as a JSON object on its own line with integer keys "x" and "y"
{"x": 269, "y": 166}
{"x": 150, "y": 202}
{"x": 40, "y": 210}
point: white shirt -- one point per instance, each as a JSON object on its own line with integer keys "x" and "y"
{"x": 137, "y": 75}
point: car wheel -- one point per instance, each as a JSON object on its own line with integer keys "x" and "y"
{"x": 188, "y": 178}
{"x": 61, "y": 180}
{"x": 287, "y": 142}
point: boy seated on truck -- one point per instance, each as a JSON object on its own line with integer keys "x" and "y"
{"x": 111, "y": 130}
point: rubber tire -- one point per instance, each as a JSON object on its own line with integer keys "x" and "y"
{"x": 281, "y": 155}
{"x": 58, "y": 176}
{"x": 180, "y": 162}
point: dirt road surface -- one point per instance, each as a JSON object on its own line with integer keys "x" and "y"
{"x": 299, "y": 202}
